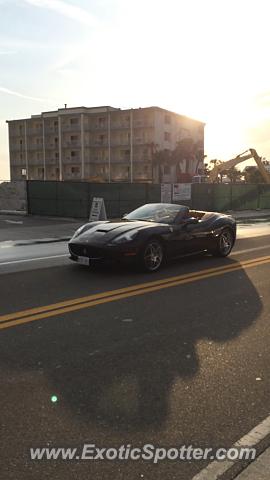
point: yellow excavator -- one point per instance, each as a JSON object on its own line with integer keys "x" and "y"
{"x": 213, "y": 176}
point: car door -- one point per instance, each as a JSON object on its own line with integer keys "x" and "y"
{"x": 189, "y": 236}
{"x": 181, "y": 240}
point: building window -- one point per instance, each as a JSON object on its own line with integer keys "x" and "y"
{"x": 56, "y": 155}
{"x": 167, "y": 119}
{"x": 23, "y": 172}
{"x": 21, "y": 142}
{"x": 74, "y": 138}
{"x": 56, "y": 140}
{"x": 167, "y": 136}
{"x": 55, "y": 123}
{"x": 74, "y": 121}
{"x": 73, "y": 154}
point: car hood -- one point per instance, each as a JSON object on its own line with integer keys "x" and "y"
{"x": 104, "y": 232}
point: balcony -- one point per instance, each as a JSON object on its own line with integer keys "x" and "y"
{"x": 96, "y": 143}
{"x": 52, "y": 146}
{"x": 51, "y": 130}
{"x": 38, "y": 147}
{"x": 71, "y": 144}
{"x": 17, "y": 148}
{"x": 52, "y": 161}
{"x": 120, "y": 143}
{"x": 120, "y": 126}
{"x": 142, "y": 158}
{"x": 35, "y": 162}
{"x": 94, "y": 159}
{"x": 96, "y": 127}
{"x": 14, "y": 132}
{"x": 17, "y": 162}
{"x": 71, "y": 128}
{"x": 35, "y": 131}
{"x": 122, "y": 160}
{"x": 73, "y": 160}
{"x": 143, "y": 124}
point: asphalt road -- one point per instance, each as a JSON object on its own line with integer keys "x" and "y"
{"x": 171, "y": 363}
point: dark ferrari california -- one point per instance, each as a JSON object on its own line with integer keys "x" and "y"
{"x": 152, "y": 233}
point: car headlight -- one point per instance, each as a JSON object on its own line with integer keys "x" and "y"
{"x": 125, "y": 237}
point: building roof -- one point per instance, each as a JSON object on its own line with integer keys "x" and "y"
{"x": 98, "y": 109}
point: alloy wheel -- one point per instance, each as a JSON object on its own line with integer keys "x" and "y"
{"x": 226, "y": 242}
{"x": 153, "y": 255}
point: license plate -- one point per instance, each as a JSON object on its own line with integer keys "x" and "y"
{"x": 84, "y": 260}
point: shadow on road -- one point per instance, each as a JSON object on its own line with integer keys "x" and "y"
{"x": 117, "y": 372}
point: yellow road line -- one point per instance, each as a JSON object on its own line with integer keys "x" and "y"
{"x": 31, "y": 315}
{"x": 132, "y": 288}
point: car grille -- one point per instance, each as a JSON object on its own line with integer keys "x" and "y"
{"x": 85, "y": 251}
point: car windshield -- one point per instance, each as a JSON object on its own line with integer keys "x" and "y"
{"x": 156, "y": 212}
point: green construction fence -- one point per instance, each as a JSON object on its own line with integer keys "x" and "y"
{"x": 74, "y": 199}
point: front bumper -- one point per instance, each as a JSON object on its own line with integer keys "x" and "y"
{"x": 95, "y": 253}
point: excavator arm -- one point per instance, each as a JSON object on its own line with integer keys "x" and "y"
{"x": 242, "y": 157}
{"x": 261, "y": 167}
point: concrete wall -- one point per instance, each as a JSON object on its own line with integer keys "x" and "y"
{"x": 13, "y": 196}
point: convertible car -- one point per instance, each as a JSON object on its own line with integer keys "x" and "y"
{"x": 153, "y": 233}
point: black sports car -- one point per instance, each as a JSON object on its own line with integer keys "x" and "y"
{"x": 152, "y": 233}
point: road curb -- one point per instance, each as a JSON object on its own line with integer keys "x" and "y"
{"x": 258, "y": 437}
{"x": 38, "y": 241}
{"x": 14, "y": 212}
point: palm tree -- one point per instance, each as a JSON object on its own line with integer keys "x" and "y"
{"x": 186, "y": 150}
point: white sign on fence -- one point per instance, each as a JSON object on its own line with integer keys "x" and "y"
{"x": 166, "y": 193}
{"x": 98, "y": 211}
{"x": 181, "y": 191}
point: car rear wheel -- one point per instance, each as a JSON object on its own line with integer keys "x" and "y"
{"x": 152, "y": 255}
{"x": 225, "y": 242}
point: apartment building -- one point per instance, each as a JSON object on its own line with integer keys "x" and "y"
{"x": 100, "y": 144}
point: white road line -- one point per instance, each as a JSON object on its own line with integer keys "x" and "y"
{"x": 237, "y": 252}
{"x": 215, "y": 469}
{"x": 247, "y": 250}
{"x": 33, "y": 259}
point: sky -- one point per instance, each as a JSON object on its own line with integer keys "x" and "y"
{"x": 208, "y": 59}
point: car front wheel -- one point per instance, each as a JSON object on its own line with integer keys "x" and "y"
{"x": 225, "y": 242}
{"x": 152, "y": 256}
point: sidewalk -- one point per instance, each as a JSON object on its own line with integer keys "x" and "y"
{"x": 249, "y": 214}
{"x": 257, "y": 470}
{"x": 43, "y": 229}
